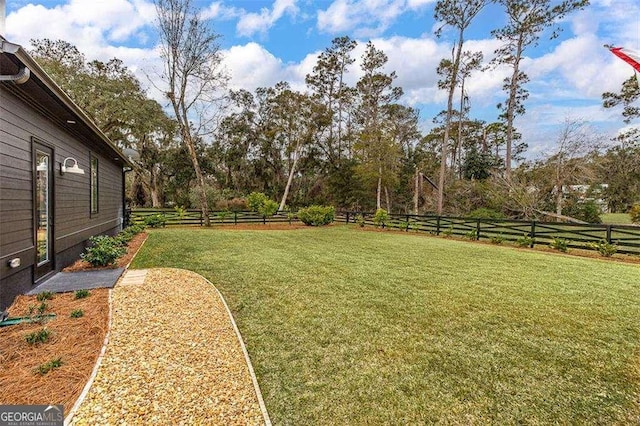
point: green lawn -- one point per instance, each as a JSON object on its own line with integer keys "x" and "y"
{"x": 346, "y": 326}
{"x": 616, "y": 218}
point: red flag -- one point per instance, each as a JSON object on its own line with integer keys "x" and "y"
{"x": 629, "y": 56}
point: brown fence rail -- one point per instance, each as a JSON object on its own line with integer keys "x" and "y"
{"x": 582, "y": 236}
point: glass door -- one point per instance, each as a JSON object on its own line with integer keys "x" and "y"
{"x": 43, "y": 210}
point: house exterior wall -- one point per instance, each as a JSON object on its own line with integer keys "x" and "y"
{"x": 20, "y": 126}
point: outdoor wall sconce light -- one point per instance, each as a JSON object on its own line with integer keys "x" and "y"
{"x": 73, "y": 169}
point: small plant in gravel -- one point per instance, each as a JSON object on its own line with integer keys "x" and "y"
{"x": 524, "y": 241}
{"x": 317, "y": 215}
{"x": 81, "y": 294}
{"x": 44, "y": 295}
{"x": 559, "y": 244}
{"x": 42, "y": 307}
{"x": 77, "y": 313}
{"x": 40, "y": 336}
{"x": 48, "y": 366}
{"x": 604, "y": 248}
{"x": 103, "y": 250}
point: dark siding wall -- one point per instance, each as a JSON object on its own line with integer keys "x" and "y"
{"x": 73, "y": 223}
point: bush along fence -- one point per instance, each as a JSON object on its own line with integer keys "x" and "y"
{"x": 168, "y": 217}
{"x": 604, "y": 238}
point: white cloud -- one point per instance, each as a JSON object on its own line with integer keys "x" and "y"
{"x": 368, "y": 18}
{"x": 251, "y": 23}
{"x": 217, "y": 10}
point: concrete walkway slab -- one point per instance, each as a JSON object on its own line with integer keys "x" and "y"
{"x": 83, "y": 280}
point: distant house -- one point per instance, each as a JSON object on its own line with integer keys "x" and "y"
{"x": 61, "y": 179}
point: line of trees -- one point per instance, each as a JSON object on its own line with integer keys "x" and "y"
{"x": 352, "y": 146}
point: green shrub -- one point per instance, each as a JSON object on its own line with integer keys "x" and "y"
{"x": 524, "y": 241}
{"x": 634, "y": 213}
{"x": 604, "y": 248}
{"x": 472, "y": 235}
{"x": 36, "y": 337}
{"x": 45, "y": 295}
{"x": 448, "y": 232}
{"x": 380, "y": 218}
{"x": 103, "y": 250}
{"x": 77, "y": 313}
{"x": 559, "y": 244}
{"x": 485, "y": 213}
{"x": 223, "y": 215}
{"x": 256, "y": 200}
{"x": 404, "y": 226}
{"x": 157, "y": 220}
{"x": 587, "y": 211}
{"x": 82, "y": 294}
{"x": 360, "y": 220}
{"x": 497, "y": 239}
{"x": 48, "y": 366}
{"x": 269, "y": 208}
{"x": 317, "y": 215}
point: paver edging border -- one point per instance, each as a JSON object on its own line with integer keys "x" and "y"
{"x": 96, "y": 367}
{"x": 254, "y": 379}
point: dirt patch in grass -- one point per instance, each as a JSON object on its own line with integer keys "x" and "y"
{"x": 76, "y": 341}
{"x": 133, "y": 247}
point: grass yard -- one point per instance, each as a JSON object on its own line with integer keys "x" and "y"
{"x": 346, "y": 326}
{"x": 616, "y": 218}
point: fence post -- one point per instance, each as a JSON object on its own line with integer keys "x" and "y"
{"x": 347, "y": 217}
{"x": 235, "y": 218}
{"x": 437, "y": 225}
{"x": 264, "y": 219}
{"x": 407, "y": 228}
{"x": 201, "y": 224}
{"x": 533, "y": 233}
{"x": 478, "y": 230}
{"x": 608, "y": 234}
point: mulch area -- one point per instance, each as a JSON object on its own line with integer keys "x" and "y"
{"x": 77, "y": 341}
{"x": 173, "y": 358}
{"x": 132, "y": 248}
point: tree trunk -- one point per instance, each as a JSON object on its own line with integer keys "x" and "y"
{"x": 283, "y": 202}
{"x": 199, "y": 177}
{"x": 416, "y": 188}
{"x": 154, "y": 189}
{"x": 511, "y": 106}
{"x": 379, "y": 191}
{"x": 447, "y": 126}
{"x": 387, "y": 199}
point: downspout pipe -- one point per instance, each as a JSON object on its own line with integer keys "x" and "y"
{"x": 24, "y": 73}
{"x": 20, "y": 78}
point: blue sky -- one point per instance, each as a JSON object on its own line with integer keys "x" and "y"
{"x": 268, "y": 41}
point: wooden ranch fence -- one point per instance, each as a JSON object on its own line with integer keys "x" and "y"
{"x": 582, "y": 236}
{"x": 195, "y": 218}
